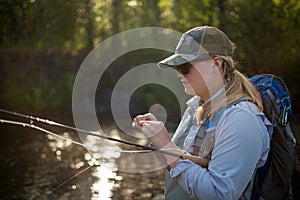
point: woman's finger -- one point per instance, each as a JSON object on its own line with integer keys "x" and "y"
{"x": 147, "y": 117}
{"x": 152, "y": 128}
{"x": 150, "y": 116}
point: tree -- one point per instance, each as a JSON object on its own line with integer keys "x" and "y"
{"x": 266, "y": 34}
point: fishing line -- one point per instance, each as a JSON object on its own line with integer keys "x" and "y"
{"x": 69, "y": 179}
{"x": 31, "y": 125}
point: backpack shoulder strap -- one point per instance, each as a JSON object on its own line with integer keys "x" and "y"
{"x": 215, "y": 118}
{"x": 205, "y": 139}
{"x": 213, "y": 121}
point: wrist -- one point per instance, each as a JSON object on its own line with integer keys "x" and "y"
{"x": 172, "y": 164}
{"x": 172, "y": 155}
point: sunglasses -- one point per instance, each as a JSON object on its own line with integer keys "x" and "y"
{"x": 183, "y": 69}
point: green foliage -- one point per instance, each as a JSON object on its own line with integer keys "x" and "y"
{"x": 265, "y": 32}
{"x": 37, "y": 81}
{"x": 195, "y": 13}
{"x": 266, "y": 35}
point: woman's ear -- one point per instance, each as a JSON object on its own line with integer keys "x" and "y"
{"x": 218, "y": 63}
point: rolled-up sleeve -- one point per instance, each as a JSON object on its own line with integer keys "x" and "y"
{"x": 241, "y": 140}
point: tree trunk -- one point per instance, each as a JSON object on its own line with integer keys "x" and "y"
{"x": 89, "y": 24}
{"x": 115, "y": 16}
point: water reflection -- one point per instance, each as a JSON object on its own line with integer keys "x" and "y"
{"x": 103, "y": 187}
{"x": 57, "y": 144}
{"x": 46, "y": 167}
{"x": 102, "y": 154}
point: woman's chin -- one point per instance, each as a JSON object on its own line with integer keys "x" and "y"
{"x": 189, "y": 91}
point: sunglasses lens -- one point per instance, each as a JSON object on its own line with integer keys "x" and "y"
{"x": 183, "y": 69}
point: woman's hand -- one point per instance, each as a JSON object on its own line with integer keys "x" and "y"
{"x": 157, "y": 133}
{"x": 155, "y": 130}
{"x": 138, "y": 120}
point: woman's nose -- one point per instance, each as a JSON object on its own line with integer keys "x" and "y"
{"x": 180, "y": 75}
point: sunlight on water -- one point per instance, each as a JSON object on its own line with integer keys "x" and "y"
{"x": 58, "y": 169}
{"x": 102, "y": 188}
{"x": 103, "y": 155}
{"x": 57, "y": 144}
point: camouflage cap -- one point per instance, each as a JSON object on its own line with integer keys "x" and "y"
{"x": 198, "y": 44}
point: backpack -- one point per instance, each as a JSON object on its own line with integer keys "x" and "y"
{"x": 273, "y": 180}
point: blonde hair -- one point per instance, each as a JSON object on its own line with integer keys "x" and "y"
{"x": 238, "y": 86}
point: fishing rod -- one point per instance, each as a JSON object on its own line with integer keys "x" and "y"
{"x": 168, "y": 151}
{"x": 53, "y": 123}
{"x": 31, "y": 125}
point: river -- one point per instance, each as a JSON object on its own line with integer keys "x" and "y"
{"x": 35, "y": 165}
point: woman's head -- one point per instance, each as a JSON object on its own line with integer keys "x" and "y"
{"x": 196, "y": 52}
{"x": 203, "y": 58}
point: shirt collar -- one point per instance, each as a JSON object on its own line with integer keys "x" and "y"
{"x": 195, "y": 101}
{"x": 220, "y": 91}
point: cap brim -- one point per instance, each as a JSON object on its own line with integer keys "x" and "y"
{"x": 179, "y": 59}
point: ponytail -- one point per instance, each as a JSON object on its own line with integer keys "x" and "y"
{"x": 238, "y": 86}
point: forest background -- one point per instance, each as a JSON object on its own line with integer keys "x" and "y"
{"x": 43, "y": 44}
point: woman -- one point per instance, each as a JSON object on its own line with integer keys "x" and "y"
{"x": 223, "y": 123}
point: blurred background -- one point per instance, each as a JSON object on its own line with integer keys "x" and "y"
{"x": 43, "y": 44}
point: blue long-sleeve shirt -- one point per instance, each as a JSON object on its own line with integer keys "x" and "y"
{"x": 241, "y": 145}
